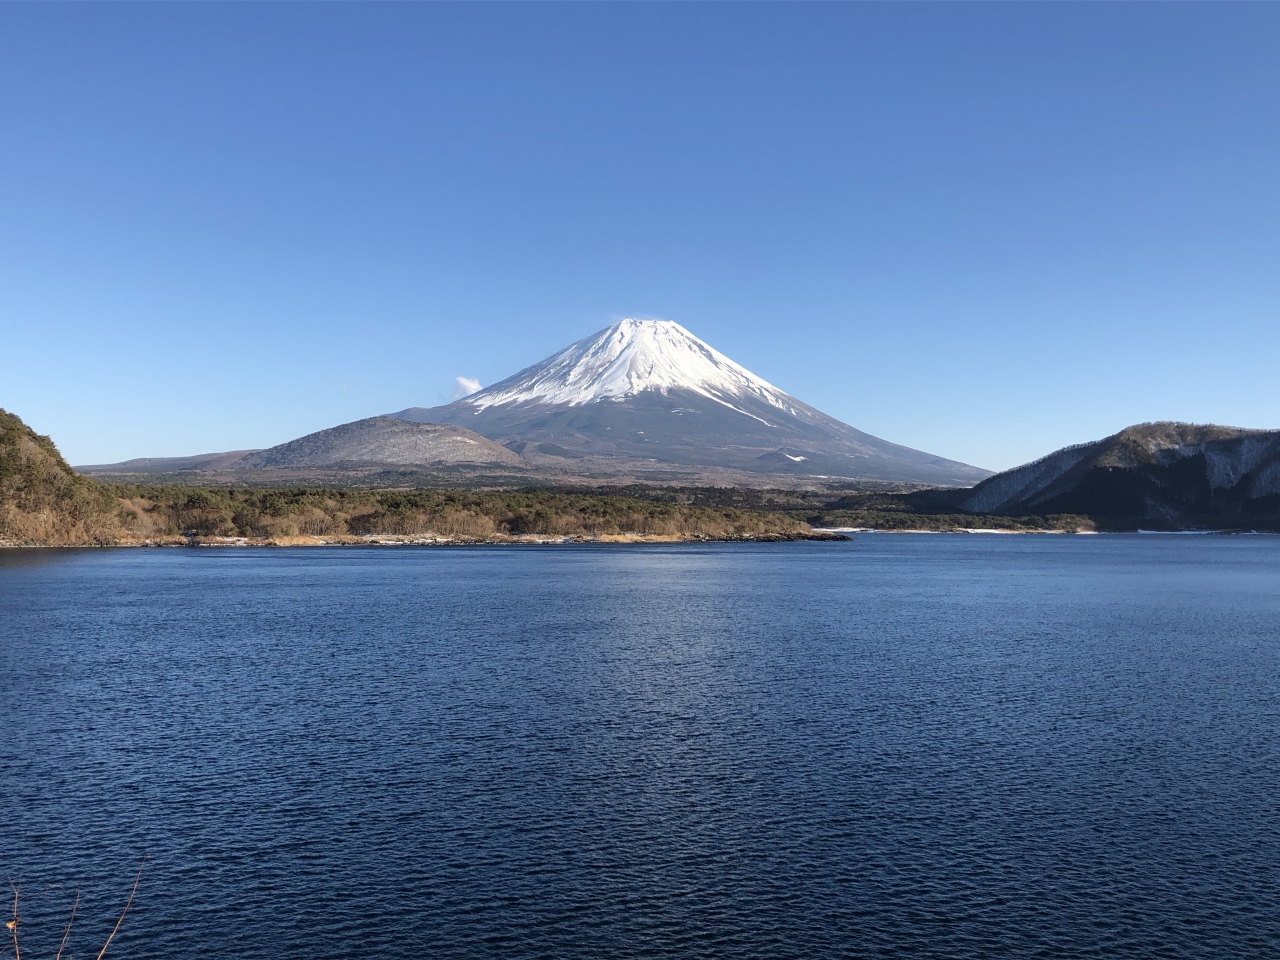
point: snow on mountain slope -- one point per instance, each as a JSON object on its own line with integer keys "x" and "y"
{"x": 629, "y": 358}
{"x": 647, "y": 395}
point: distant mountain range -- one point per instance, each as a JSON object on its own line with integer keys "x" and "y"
{"x": 1159, "y": 475}
{"x": 1163, "y": 476}
{"x": 647, "y": 401}
{"x": 643, "y": 399}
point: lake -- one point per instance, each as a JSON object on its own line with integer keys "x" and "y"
{"x": 909, "y": 746}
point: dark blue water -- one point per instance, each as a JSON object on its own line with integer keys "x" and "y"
{"x": 933, "y": 746}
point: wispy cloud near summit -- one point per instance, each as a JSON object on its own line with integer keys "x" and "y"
{"x": 465, "y": 387}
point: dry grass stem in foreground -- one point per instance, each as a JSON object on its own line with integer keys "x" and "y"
{"x": 66, "y": 934}
{"x": 127, "y": 905}
{"x": 12, "y": 925}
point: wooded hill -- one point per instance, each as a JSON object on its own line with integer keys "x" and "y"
{"x": 44, "y": 501}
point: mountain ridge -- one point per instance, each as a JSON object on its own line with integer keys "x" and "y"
{"x": 372, "y": 449}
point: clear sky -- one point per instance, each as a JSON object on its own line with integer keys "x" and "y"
{"x": 982, "y": 231}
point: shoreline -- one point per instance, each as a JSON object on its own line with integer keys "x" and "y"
{"x": 428, "y": 540}
{"x": 978, "y": 530}
{"x": 819, "y": 535}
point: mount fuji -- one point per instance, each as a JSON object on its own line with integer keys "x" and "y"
{"x": 647, "y": 397}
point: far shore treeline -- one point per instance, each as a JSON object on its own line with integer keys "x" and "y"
{"x": 282, "y": 515}
{"x": 44, "y": 502}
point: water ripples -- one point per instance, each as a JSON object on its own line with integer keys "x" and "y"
{"x": 906, "y": 746}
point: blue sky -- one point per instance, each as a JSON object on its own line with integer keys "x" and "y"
{"x": 983, "y": 231}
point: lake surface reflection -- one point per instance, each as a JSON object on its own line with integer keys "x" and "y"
{"x": 934, "y": 746}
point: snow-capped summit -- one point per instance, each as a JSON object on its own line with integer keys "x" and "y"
{"x": 648, "y": 398}
{"x": 629, "y": 358}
